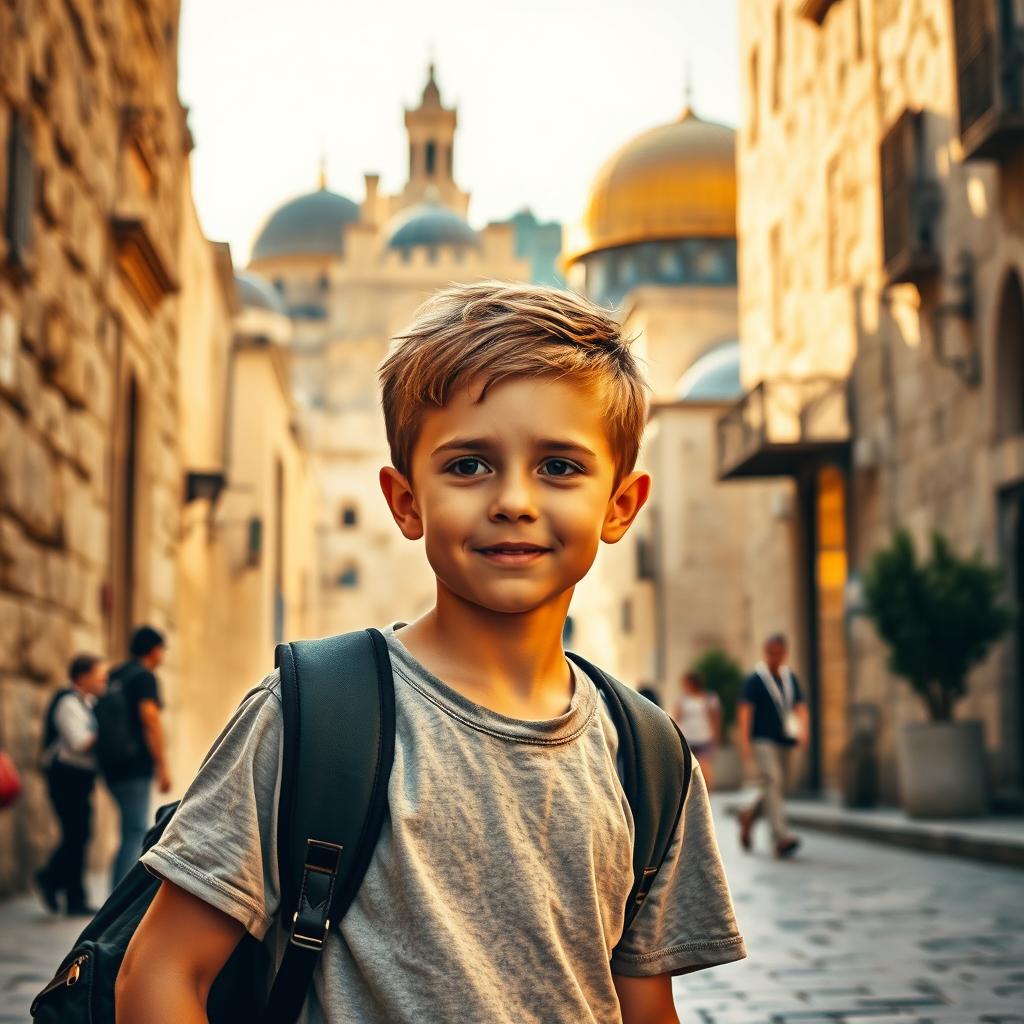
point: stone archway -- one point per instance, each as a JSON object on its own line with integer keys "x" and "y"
{"x": 1009, "y": 362}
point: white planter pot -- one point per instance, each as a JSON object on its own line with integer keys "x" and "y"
{"x": 728, "y": 769}
{"x": 942, "y": 770}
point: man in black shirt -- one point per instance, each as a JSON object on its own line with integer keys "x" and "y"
{"x": 772, "y": 723}
{"x": 130, "y": 778}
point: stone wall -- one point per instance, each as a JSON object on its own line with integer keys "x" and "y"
{"x": 86, "y": 298}
{"x": 815, "y": 298}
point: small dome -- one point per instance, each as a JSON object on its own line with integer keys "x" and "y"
{"x": 713, "y": 377}
{"x": 307, "y": 225}
{"x": 255, "y": 292}
{"x": 430, "y": 224}
{"x": 674, "y": 181}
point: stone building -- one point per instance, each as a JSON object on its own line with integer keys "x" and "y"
{"x": 881, "y": 227}
{"x": 117, "y": 320}
{"x": 349, "y": 276}
{"x": 658, "y": 242}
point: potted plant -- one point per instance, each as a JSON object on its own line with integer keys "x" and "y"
{"x": 724, "y": 677}
{"x": 939, "y": 619}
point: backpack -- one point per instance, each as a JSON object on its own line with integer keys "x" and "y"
{"x": 118, "y": 731}
{"x": 339, "y": 741}
{"x": 47, "y": 745}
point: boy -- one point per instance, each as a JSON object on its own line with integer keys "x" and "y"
{"x": 497, "y": 889}
{"x": 70, "y": 773}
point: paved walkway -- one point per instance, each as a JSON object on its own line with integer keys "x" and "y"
{"x": 849, "y": 931}
{"x": 854, "y": 931}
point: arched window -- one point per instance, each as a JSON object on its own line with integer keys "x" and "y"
{"x": 1009, "y": 370}
{"x": 431, "y": 155}
{"x": 348, "y": 578}
{"x": 349, "y": 516}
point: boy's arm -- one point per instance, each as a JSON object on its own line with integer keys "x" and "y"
{"x": 646, "y": 1000}
{"x": 174, "y": 956}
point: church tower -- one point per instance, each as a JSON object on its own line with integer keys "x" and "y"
{"x": 431, "y": 130}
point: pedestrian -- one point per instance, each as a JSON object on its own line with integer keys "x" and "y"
{"x": 499, "y": 887}
{"x": 698, "y": 713}
{"x": 772, "y": 724}
{"x": 69, "y": 759}
{"x": 131, "y": 742}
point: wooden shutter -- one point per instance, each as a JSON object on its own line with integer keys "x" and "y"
{"x": 974, "y": 29}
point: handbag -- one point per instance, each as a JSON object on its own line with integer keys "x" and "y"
{"x": 10, "y": 780}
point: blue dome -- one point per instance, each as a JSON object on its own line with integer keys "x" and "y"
{"x": 254, "y": 292}
{"x": 714, "y": 377}
{"x": 308, "y": 225}
{"x": 430, "y": 224}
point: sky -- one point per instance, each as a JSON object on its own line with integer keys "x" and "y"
{"x": 546, "y": 90}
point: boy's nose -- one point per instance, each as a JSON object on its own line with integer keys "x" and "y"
{"x": 514, "y": 500}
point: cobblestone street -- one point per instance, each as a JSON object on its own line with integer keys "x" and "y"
{"x": 856, "y": 931}
{"x": 848, "y": 932}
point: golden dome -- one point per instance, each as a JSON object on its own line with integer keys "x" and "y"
{"x": 674, "y": 181}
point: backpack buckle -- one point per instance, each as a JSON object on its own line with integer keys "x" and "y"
{"x": 310, "y": 922}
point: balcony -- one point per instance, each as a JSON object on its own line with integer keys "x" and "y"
{"x": 910, "y": 203}
{"x": 783, "y": 425}
{"x": 989, "y": 45}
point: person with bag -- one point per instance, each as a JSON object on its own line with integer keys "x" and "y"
{"x": 130, "y": 745}
{"x": 69, "y": 760}
{"x": 772, "y": 725}
{"x": 451, "y": 818}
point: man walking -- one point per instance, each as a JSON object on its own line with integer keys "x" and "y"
{"x": 70, "y": 762}
{"x": 132, "y": 742}
{"x": 772, "y": 723}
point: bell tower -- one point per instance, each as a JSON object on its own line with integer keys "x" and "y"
{"x": 431, "y": 130}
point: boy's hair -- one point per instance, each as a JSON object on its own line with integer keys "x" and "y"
{"x": 494, "y": 330}
{"x": 144, "y": 639}
{"x": 81, "y": 665}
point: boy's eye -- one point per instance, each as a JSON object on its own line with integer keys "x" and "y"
{"x": 560, "y": 467}
{"x": 467, "y": 467}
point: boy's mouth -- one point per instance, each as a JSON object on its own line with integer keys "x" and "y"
{"x": 512, "y": 552}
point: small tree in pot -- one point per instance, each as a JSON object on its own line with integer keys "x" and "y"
{"x": 724, "y": 677}
{"x": 939, "y": 619}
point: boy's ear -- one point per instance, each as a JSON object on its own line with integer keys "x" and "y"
{"x": 630, "y": 496}
{"x": 402, "y": 502}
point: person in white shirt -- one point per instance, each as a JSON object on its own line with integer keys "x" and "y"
{"x": 698, "y": 713}
{"x": 70, "y": 763}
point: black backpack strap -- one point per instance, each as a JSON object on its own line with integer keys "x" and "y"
{"x": 656, "y": 768}
{"x": 339, "y": 743}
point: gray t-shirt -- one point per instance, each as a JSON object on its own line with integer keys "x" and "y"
{"x": 496, "y": 891}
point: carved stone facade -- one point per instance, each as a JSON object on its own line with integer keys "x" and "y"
{"x": 880, "y": 313}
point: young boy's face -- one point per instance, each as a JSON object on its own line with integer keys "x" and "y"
{"x": 514, "y": 493}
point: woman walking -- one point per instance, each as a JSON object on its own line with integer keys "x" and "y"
{"x": 698, "y": 714}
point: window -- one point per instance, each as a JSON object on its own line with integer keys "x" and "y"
{"x": 752, "y": 92}
{"x": 1010, "y": 360}
{"x": 348, "y": 578}
{"x": 779, "y": 57}
{"x": 349, "y": 516}
{"x": 775, "y": 269}
{"x": 21, "y": 185}
{"x": 324, "y": 283}
{"x": 431, "y": 158}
